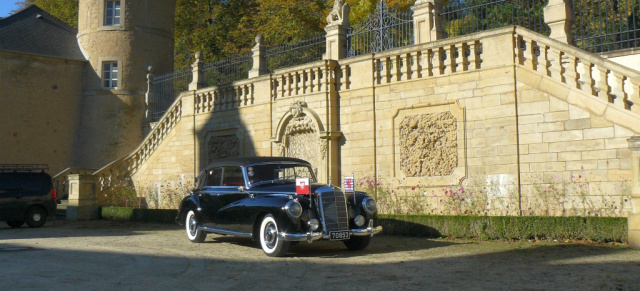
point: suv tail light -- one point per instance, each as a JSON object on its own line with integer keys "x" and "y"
{"x": 53, "y": 194}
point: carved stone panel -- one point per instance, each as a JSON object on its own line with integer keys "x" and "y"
{"x": 225, "y": 146}
{"x": 428, "y": 145}
{"x": 301, "y": 140}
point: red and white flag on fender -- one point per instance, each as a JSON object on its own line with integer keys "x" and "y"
{"x": 302, "y": 186}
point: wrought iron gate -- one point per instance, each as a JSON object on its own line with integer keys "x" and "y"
{"x": 384, "y": 30}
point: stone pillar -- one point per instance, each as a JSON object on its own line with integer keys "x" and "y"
{"x": 337, "y": 26}
{"x": 558, "y": 14}
{"x": 198, "y": 75}
{"x": 82, "y": 197}
{"x": 633, "y": 221}
{"x": 427, "y": 26}
{"x": 259, "y": 58}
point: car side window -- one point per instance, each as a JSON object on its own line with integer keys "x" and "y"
{"x": 213, "y": 177}
{"x": 233, "y": 177}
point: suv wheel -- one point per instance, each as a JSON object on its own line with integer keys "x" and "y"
{"x": 15, "y": 224}
{"x": 36, "y": 217}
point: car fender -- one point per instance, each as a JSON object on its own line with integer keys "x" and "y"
{"x": 190, "y": 202}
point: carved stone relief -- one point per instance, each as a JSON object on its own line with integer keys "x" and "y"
{"x": 224, "y": 146}
{"x": 428, "y": 145}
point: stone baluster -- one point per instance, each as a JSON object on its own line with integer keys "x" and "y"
{"x": 633, "y": 96}
{"x": 555, "y": 64}
{"x": 438, "y": 61}
{"x": 426, "y": 63}
{"x": 460, "y": 58}
{"x": 415, "y": 66}
{"x": 474, "y": 57}
{"x": 602, "y": 88}
{"x": 570, "y": 75}
{"x": 586, "y": 81}
{"x": 619, "y": 96}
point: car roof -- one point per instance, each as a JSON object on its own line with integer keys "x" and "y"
{"x": 237, "y": 162}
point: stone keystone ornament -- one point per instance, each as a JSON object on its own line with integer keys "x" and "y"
{"x": 302, "y": 186}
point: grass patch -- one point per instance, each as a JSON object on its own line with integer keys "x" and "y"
{"x": 598, "y": 229}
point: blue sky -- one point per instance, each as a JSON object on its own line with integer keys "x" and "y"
{"x": 6, "y": 6}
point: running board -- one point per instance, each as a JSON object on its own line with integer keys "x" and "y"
{"x": 224, "y": 231}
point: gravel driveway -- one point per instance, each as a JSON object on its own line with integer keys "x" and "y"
{"x": 103, "y": 255}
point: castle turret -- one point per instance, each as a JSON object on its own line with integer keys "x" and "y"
{"x": 121, "y": 39}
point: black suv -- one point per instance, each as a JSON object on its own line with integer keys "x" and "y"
{"x": 26, "y": 194}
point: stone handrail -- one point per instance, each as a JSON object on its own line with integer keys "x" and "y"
{"x": 121, "y": 169}
{"x": 612, "y": 84}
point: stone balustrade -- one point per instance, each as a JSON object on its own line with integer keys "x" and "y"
{"x": 308, "y": 79}
{"x": 612, "y": 84}
{"x": 217, "y": 98}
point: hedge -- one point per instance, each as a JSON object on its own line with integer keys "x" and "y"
{"x": 599, "y": 229}
{"x": 137, "y": 214}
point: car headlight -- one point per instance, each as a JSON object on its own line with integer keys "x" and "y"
{"x": 293, "y": 209}
{"x": 359, "y": 220}
{"x": 369, "y": 205}
{"x": 314, "y": 224}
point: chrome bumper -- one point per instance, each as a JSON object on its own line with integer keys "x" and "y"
{"x": 313, "y": 236}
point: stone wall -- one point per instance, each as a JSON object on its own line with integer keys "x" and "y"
{"x": 47, "y": 93}
{"x": 467, "y": 125}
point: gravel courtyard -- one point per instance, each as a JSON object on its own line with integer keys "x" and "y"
{"x": 103, "y": 255}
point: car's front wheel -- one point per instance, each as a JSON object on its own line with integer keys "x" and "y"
{"x": 357, "y": 243}
{"x": 15, "y": 224}
{"x": 194, "y": 234}
{"x": 36, "y": 217}
{"x": 271, "y": 243}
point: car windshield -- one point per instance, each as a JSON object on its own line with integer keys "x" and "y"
{"x": 278, "y": 173}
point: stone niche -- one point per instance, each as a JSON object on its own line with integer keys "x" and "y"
{"x": 298, "y": 136}
{"x": 429, "y": 144}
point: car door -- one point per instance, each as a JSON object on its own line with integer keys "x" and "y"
{"x": 12, "y": 203}
{"x": 209, "y": 196}
{"x": 233, "y": 215}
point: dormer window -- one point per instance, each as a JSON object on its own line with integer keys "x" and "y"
{"x": 112, "y": 13}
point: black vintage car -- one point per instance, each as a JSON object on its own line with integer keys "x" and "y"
{"x": 256, "y": 198}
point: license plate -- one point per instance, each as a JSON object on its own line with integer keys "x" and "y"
{"x": 339, "y": 235}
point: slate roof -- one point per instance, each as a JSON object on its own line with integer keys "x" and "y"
{"x": 34, "y": 31}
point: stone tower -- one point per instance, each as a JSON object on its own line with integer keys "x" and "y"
{"x": 120, "y": 39}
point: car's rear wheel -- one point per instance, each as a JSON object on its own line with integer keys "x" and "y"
{"x": 357, "y": 243}
{"x": 194, "y": 234}
{"x": 15, "y": 224}
{"x": 36, "y": 217}
{"x": 271, "y": 243}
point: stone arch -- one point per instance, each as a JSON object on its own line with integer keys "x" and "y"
{"x": 298, "y": 135}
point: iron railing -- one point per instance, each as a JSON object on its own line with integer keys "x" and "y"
{"x": 297, "y": 53}
{"x": 606, "y": 25}
{"x": 384, "y": 30}
{"x": 166, "y": 88}
{"x": 461, "y": 17}
{"x": 228, "y": 70}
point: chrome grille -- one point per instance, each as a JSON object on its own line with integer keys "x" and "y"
{"x": 333, "y": 208}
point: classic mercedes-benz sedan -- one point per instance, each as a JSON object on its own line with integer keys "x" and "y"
{"x": 276, "y": 201}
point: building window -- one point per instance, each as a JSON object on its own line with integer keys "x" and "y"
{"x": 112, "y": 13}
{"x": 110, "y": 75}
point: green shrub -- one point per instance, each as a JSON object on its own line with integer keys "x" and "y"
{"x": 137, "y": 214}
{"x": 599, "y": 229}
